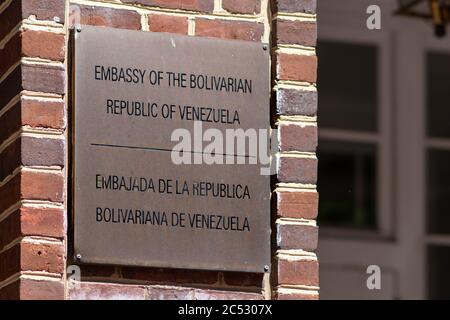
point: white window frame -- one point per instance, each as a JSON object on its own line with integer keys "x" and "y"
{"x": 382, "y": 138}
{"x": 416, "y": 39}
{"x": 404, "y": 44}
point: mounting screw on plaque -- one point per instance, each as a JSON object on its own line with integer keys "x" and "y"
{"x": 78, "y": 257}
{"x": 266, "y": 268}
{"x": 265, "y": 47}
{"x": 78, "y": 29}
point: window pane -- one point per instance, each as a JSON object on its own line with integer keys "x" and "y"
{"x": 439, "y": 191}
{"x": 347, "y": 86}
{"x": 347, "y": 184}
{"x": 438, "y": 272}
{"x": 438, "y": 98}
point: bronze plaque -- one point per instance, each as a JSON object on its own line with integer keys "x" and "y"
{"x": 137, "y": 96}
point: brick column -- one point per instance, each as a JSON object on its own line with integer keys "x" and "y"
{"x": 32, "y": 149}
{"x": 295, "y": 270}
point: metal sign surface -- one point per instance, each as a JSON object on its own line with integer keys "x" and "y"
{"x": 136, "y": 94}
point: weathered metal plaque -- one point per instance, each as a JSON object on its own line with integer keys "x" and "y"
{"x": 136, "y": 94}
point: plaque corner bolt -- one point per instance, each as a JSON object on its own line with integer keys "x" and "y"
{"x": 265, "y": 47}
{"x": 266, "y": 268}
{"x": 78, "y": 257}
{"x": 78, "y": 28}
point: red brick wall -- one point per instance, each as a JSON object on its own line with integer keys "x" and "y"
{"x": 294, "y": 31}
{"x": 33, "y": 148}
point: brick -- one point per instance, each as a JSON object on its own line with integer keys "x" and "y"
{"x": 293, "y": 204}
{"x": 297, "y": 272}
{"x": 296, "y": 102}
{"x": 110, "y": 17}
{"x": 106, "y": 291}
{"x": 296, "y": 67}
{"x": 239, "y": 6}
{"x": 27, "y": 256}
{"x": 44, "y": 9}
{"x": 41, "y": 78}
{"x": 295, "y": 32}
{"x": 44, "y": 222}
{"x": 42, "y": 44}
{"x": 297, "y": 137}
{"x": 184, "y": 293}
{"x": 42, "y": 186}
{"x": 167, "y": 23}
{"x": 241, "y": 279}
{"x": 297, "y": 170}
{"x": 165, "y": 276}
{"x": 42, "y": 151}
{"x": 205, "y": 294}
{"x": 297, "y": 236}
{"x": 34, "y": 113}
{"x": 297, "y": 296}
{"x": 193, "y": 5}
{"x": 48, "y": 222}
{"x": 292, "y": 6}
{"x": 169, "y": 293}
{"x": 31, "y": 289}
{"x": 240, "y": 30}
{"x": 43, "y": 113}
{"x": 31, "y": 151}
{"x": 32, "y": 185}
{"x": 44, "y": 257}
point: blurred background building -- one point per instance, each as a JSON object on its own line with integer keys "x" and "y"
{"x": 384, "y": 153}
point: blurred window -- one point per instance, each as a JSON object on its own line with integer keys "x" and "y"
{"x": 439, "y": 264}
{"x": 438, "y": 97}
{"x": 348, "y": 147}
{"x": 439, "y": 191}
{"x": 348, "y": 86}
{"x": 438, "y": 173}
{"x": 438, "y": 142}
{"x": 347, "y": 184}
